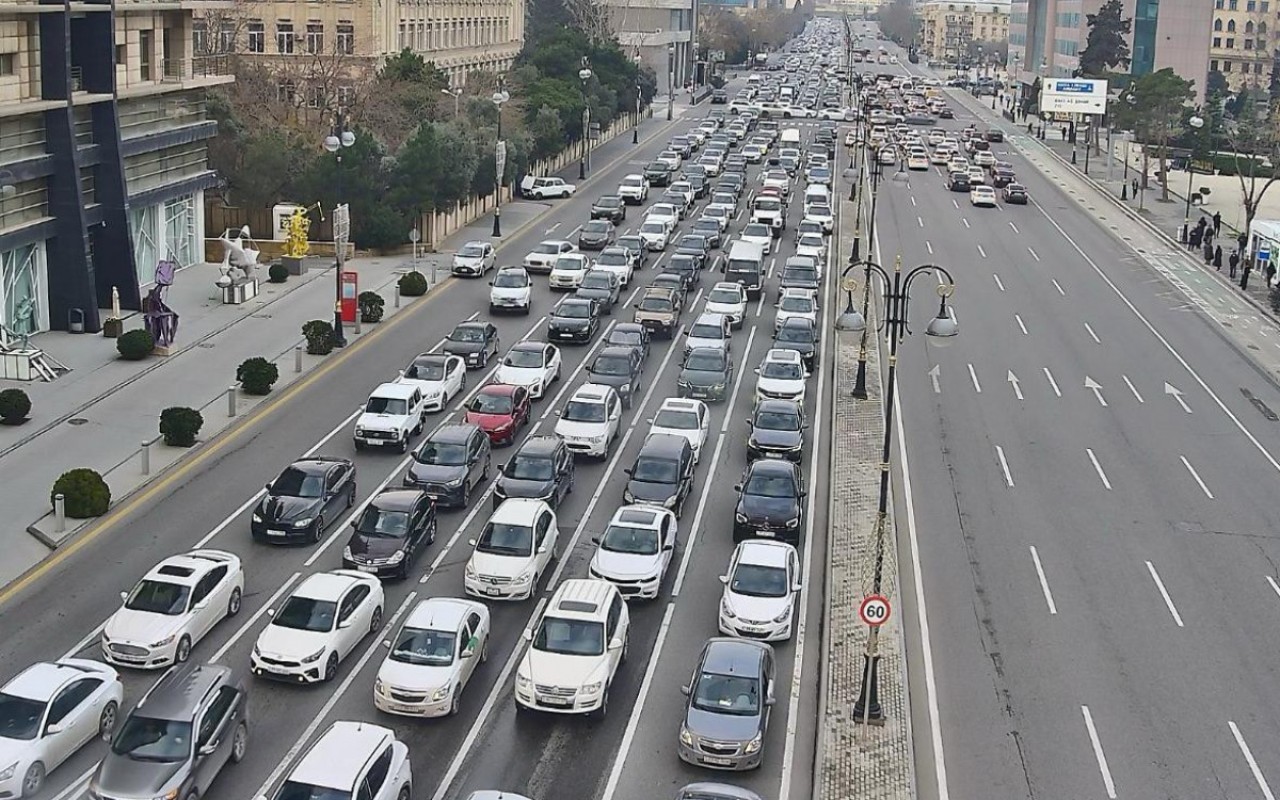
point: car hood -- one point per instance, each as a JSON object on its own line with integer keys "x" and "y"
{"x": 519, "y": 487}
{"x": 119, "y": 776}
{"x": 695, "y": 342}
{"x": 569, "y": 323}
{"x": 582, "y": 430}
{"x": 290, "y": 643}
{"x": 556, "y": 669}
{"x": 469, "y": 261}
{"x": 462, "y": 348}
{"x": 595, "y": 293}
{"x": 625, "y": 565}
{"x": 781, "y": 440}
{"x": 380, "y": 422}
{"x": 724, "y": 727}
{"x": 287, "y": 509}
{"x": 489, "y": 422}
{"x": 499, "y": 566}
{"x": 435, "y": 473}
{"x": 608, "y": 380}
{"x": 141, "y": 627}
{"x": 374, "y": 546}
{"x": 518, "y": 376}
{"x": 725, "y": 308}
{"x": 699, "y": 377}
{"x": 429, "y": 388}
{"x": 756, "y": 609}
{"x": 509, "y": 291}
{"x": 768, "y": 509}
{"x": 803, "y": 348}
{"x": 587, "y": 236}
{"x": 647, "y": 492}
{"x": 416, "y": 677}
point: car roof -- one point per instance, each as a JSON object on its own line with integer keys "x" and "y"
{"x": 455, "y": 433}
{"x": 710, "y": 318}
{"x": 776, "y": 406}
{"x": 187, "y": 568}
{"x": 665, "y": 445}
{"x": 540, "y": 445}
{"x": 797, "y": 322}
{"x": 626, "y": 351}
{"x": 531, "y": 346}
{"x": 517, "y": 510}
{"x": 396, "y": 499}
{"x": 519, "y": 269}
{"x": 179, "y": 692}
{"x": 764, "y": 552}
{"x": 574, "y": 301}
{"x": 782, "y": 354}
{"x": 556, "y": 242}
{"x": 313, "y": 466}
{"x": 41, "y": 681}
{"x": 592, "y": 393}
{"x": 643, "y": 516}
{"x": 338, "y": 757}
{"x": 395, "y": 390}
{"x": 582, "y": 598}
{"x": 630, "y": 327}
{"x": 441, "y": 613}
{"x": 725, "y": 656}
{"x": 499, "y": 389}
{"x": 772, "y": 466}
{"x": 325, "y": 585}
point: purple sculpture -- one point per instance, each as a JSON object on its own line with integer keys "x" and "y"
{"x": 160, "y": 320}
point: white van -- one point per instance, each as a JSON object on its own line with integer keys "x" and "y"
{"x": 790, "y": 136}
{"x": 745, "y": 266}
{"x": 817, "y": 194}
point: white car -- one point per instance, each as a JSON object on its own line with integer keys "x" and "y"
{"x": 729, "y": 299}
{"x": 511, "y": 290}
{"x": 781, "y": 376}
{"x": 917, "y": 160}
{"x": 589, "y": 422}
{"x": 514, "y": 549}
{"x": 760, "y": 591}
{"x": 618, "y": 261}
{"x": 982, "y": 196}
{"x": 711, "y": 164}
{"x": 720, "y": 212}
{"x": 634, "y": 189}
{"x": 977, "y": 176}
{"x": 318, "y": 626}
{"x": 433, "y": 656}
{"x": 757, "y": 233}
{"x": 575, "y": 649}
{"x": 796, "y": 303}
{"x": 352, "y": 759}
{"x": 172, "y": 608}
{"x": 440, "y": 377}
{"x": 941, "y": 157}
{"x": 540, "y": 188}
{"x": 814, "y": 245}
{"x": 681, "y": 416}
{"x": 671, "y": 158}
{"x": 663, "y": 212}
{"x": 685, "y": 190}
{"x": 566, "y": 273}
{"x": 770, "y": 211}
{"x": 655, "y": 233}
{"x": 533, "y": 365}
{"x": 887, "y": 156}
{"x": 635, "y": 550}
{"x": 393, "y": 414}
{"x": 822, "y": 215}
{"x": 710, "y": 330}
{"x": 984, "y": 158}
{"x": 935, "y": 138}
{"x": 474, "y": 258}
{"x": 47, "y": 713}
{"x": 544, "y": 256}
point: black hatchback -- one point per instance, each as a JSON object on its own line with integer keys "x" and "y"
{"x": 619, "y": 367}
{"x": 574, "y": 319}
{"x": 799, "y": 334}
{"x": 541, "y": 469}
{"x": 662, "y": 474}
{"x": 770, "y": 502}
{"x": 777, "y": 430}
{"x": 394, "y": 527}
{"x": 610, "y": 207}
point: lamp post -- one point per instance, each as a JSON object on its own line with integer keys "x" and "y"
{"x": 338, "y": 139}
{"x": 860, "y": 377}
{"x": 671, "y": 79}
{"x": 456, "y": 94}
{"x": 635, "y": 129}
{"x": 499, "y": 97}
{"x": 584, "y": 75}
{"x": 896, "y": 291}
{"x": 1197, "y": 122}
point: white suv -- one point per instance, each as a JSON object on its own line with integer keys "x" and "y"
{"x": 574, "y": 650}
{"x": 634, "y": 189}
{"x": 781, "y": 376}
{"x": 589, "y": 422}
{"x": 514, "y": 549}
{"x": 394, "y": 413}
{"x": 352, "y": 759}
{"x": 511, "y": 290}
{"x": 730, "y": 300}
{"x": 635, "y": 550}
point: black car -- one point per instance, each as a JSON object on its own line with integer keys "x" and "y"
{"x": 619, "y": 367}
{"x": 727, "y": 185}
{"x": 699, "y": 183}
{"x": 681, "y": 271}
{"x": 629, "y": 334}
{"x": 735, "y": 164}
{"x": 994, "y": 135}
{"x": 706, "y": 373}
{"x": 602, "y": 286}
{"x": 777, "y": 430}
{"x": 1002, "y": 177}
{"x": 475, "y": 341}
{"x": 662, "y": 474}
{"x": 770, "y": 502}
{"x": 450, "y": 463}
{"x": 719, "y": 97}
{"x": 697, "y": 246}
{"x": 799, "y": 334}
{"x": 958, "y": 182}
{"x": 657, "y": 173}
{"x": 946, "y": 113}
{"x": 542, "y": 469}
{"x": 610, "y": 207}
{"x": 308, "y": 495}
{"x": 1016, "y": 194}
{"x": 392, "y": 529}
{"x": 798, "y": 276}
{"x": 678, "y": 199}
{"x": 574, "y": 319}
{"x": 596, "y": 235}
{"x": 708, "y": 229}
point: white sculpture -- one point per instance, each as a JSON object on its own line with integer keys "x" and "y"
{"x": 239, "y": 257}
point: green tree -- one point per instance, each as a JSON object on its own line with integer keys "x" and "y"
{"x": 546, "y": 132}
{"x": 361, "y": 180}
{"x": 1106, "y": 46}
{"x": 434, "y": 169}
{"x": 1216, "y": 84}
{"x": 1154, "y": 105}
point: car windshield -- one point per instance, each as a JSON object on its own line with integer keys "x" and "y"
{"x": 767, "y": 204}
{"x": 295, "y": 790}
{"x": 19, "y": 717}
{"x": 781, "y": 370}
{"x": 727, "y": 296}
{"x": 803, "y": 305}
{"x": 570, "y": 637}
{"x": 547, "y": 248}
{"x": 770, "y": 485}
{"x": 795, "y": 334}
{"x": 777, "y": 421}
{"x": 702, "y": 361}
{"x": 511, "y": 280}
{"x": 819, "y": 211}
{"x": 579, "y": 411}
{"x": 381, "y": 522}
{"x": 632, "y": 541}
{"x": 735, "y": 695}
{"x": 758, "y": 580}
{"x": 756, "y": 229}
{"x": 708, "y": 224}
{"x": 676, "y": 420}
{"x": 612, "y": 260}
{"x": 627, "y": 338}
{"x": 159, "y": 597}
{"x": 528, "y": 359}
{"x": 530, "y": 468}
{"x": 597, "y": 282}
{"x": 655, "y": 470}
{"x": 811, "y": 240}
{"x": 306, "y": 614}
{"x": 655, "y": 304}
{"x": 612, "y": 202}
{"x": 597, "y": 226}
{"x": 387, "y": 405}
{"x": 571, "y": 264}
{"x": 487, "y": 403}
{"x": 632, "y": 180}
{"x": 468, "y": 333}
{"x": 804, "y": 274}
{"x": 611, "y": 365}
{"x": 653, "y": 227}
{"x": 425, "y": 370}
{"x": 471, "y": 250}
{"x": 164, "y": 741}
{"x": 425, "y": 647}
{"x": 706, "y": 331}
{"x": 441, "y": 454}
{"x": 574, "y": 311}
{"x": 294, "y": 482}
{"x": 504, "y": 539}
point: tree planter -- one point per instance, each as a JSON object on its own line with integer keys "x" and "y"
{"x": 14, "y": 407}
{"x": 295, "y": 266}
{"x": 371, "y": 307}
{"x": 112, "y": 328}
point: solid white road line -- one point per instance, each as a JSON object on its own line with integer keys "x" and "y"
{"x": 999, "y": 282}
{"x": 974, "y": 376}
{"x": 1091, "y": 333}
{"x": 633, "y": 723}
{"x": 1021, "y": 325}
{"x": 1098, "y": 754}
{"x": 1052, "y": 382}
{"x": 1004, "y": 465}
{"x": 1058, "y": 286}
{"x": 982, "y": 252}
{"x": 1098, "y": 467}
{"x": 1251, "y": 761}
{"x": 1196, "y": 475}
{"x": 249, "y": 623}
{"x": 1168, "y": 601}
{"x": 1275, "y": 587}
{"x": 1133, "y": 389}
{"x": 1044, "y": 582}
{"x": 1033, "y": 254}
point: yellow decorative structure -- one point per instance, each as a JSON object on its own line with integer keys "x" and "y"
{"x": 296, "y": 243}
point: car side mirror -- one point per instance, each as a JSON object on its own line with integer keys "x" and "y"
{"x": 471, "y": 542}
{"x": 796, "y": 587}
{"x": 757, "y": 370}
{"x": 616, "y": 643}
{"x": 268, "y": 486}
{"x": 528, "y": 634}
{"x": 627, "y": 470}
{"x": 542, "y": 549}
{"x": 804, "y": 492}
{"x": 346, "y": 623}
{"x": 468, "y": 653}
{"x": 558, "y": 413}
{"x": 53, "y": 729}
{"x": 768, "y": 701}
{"x": 209, "y": 749}
{"x": 614, "y": 415}
{"x": 686, "y": 689}
{"x": 124, "y": 596}
{"x": 737, "y": 487}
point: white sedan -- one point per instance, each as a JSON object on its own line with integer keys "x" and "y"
{"x": 729, "y": 299}
{"x": 760, "y": 591}
{"x": 918, "y": 160}
{"x": 533, "y": 365}
{"x": 545, "y": 254}
{"x": 982, "y": 196}
{"x": 812, "y": 244}
{"x": 635, "y": 550}
{"x": 433, "y": 657}
{"x": 757, "y": 233}
{"x": 514, "y": 549}
{"x": 796, "y": 303}
{"x": 440, "y": 376}
{"x": 47, "y": 713}
{"x": 566, "y": 273}
{"x": 681, "y": 416}
{"x": 781, "y": 376}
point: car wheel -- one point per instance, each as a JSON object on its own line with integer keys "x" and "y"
{"x": 404, "y": 793}
{"x": 183, "y": 652}
{"x": 488, "y": 462}
{"x": 239, "y": 743}
{"x": 233, "y": 605}
{"x": 484, "y": 651}
{"x": 375, "y": 621}
{"x": 603, "y": 710}
{"x": 317, "y": 533}
{"x": 404, "y": 443}
{"x": 626, "y": 644}
{"x": 33, "y": 781}
{"x": 351, "y": 496}
{"x": 107, "y": 720}
{"x": 331, "y": 667}
{"x": 456, "y": 703}
{"x": 466, "y": 493}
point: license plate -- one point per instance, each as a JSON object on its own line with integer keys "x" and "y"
{"x": 400, "y": 707}
{"x": 553, "y": 701}
{"x": 492, "y": 591}
{"x": 366, "y": 568}
{"x": 719, "y": 762}
{"x": 274, "y": 532}
{"x": 766, "y": 534}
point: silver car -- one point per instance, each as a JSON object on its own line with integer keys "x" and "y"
{"x": 729, "y": 696}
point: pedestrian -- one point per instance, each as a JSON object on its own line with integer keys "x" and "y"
{"x": 1217, "y": 258}
{"x": 1217, "y": 222}
{"x": 1208, "y": 235}
{"x": 1244, "y": 275}
{"x": 1135, "y": 186}
{"x": 1271, "y": 273}
{"x": 1208, "y": 253}
{"x": 1235, "y": 263}
{"x": 1064, "y": 133}
{"x": 1194, "y": 238}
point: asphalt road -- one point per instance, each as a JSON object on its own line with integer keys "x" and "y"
{"x": 1092, "y": 495}
{"x": 628, "y": 754}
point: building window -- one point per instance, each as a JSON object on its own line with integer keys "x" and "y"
{"x": 8, "y": 65}
{"x": 315, "y": 37}
{"x": 227, "y": 37}
{"x": 1251, "y": 6}
{"x": 1257, "y": 69}
{"x": 1231, "y": 5}
{"x": 400, "y": 41}
{"x": 145, "y": 42}
{"x": 284, "y": 36}
{"x": 1213, "y": 65}
{"x": 286, "y": 92}
{"x": 1218, "y": 4}
{"x": 1217, "y": 25}
{"x": 257, "y": 36}
{"x": 1264, "y": 6}
{"x": 1231, "y": 43}
{"x": 346, "y": 96}
{"x": 315, "y": 97}
{"x": 122, "y": 55}
{"x": 200, "y": 37}
{"x": 1226, "y": 67}
{"x": 346, "y": 43}
{"x": 1217, "y": 41}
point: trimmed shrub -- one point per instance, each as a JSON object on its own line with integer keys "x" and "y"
{"x": 84, "y": 492}
{"x": 277, "y": 273}
{"x": 14, "y": 406}
{"x": 135, "y": 345}
{"x": 179, "y": 426}
{"x": 257, "y": 375}
{"x": 371, "y": 306}
{"x": 319, "y": 335}
{"x": 413, "y": 284}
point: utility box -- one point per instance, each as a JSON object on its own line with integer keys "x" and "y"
{"x": 280, "y": 214}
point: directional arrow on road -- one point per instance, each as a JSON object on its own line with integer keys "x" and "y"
{"x": 551, "y": 230}
{"x": 1017, "y": 388}
{"x": 933, "y": 376}
{"x": 1176, "y": 394}
{"x": 1096, "y": 388}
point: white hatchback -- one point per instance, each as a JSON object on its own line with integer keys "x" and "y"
{"x": 683, "y": 416}
{"x": 982, "y": 196}
{"x": 757, "y": 233}
{"x": 635, "y": 550}
{"x": 432, "y": 658}
{"x": 514, "y": 549}
{"x": 760, "y": 591}
{"x": 590, "y": 421}
{"x": 352, "y": 759}
{"x": 533, "y": 365}
{"x": 814, "y": 245}
{"x": 801, "y": 303}
{"x": 511, "y": 290}
{"x": 730, "y": 300}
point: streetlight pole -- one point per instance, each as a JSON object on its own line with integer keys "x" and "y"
{"x": 338, "y": 139}
{"x": 499, "y": 97}
{"x": 584, "y": 75}
{"x": 671, "y": 79}
{"x": 860, "y": 377}
{"x": 1196, "y": 122}
{"x": 896, "y": 292}
{"x": 456, "y": 94}
{"x": 635, "y": 129}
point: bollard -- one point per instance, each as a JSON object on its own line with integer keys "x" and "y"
{"x": 231, "y": 401}
{"x": 297, "y": 358}
{"x": 397, "y": 294}
{"x": 146, "y": 458}
{"x": 59, "y": 513}
{"x": 356, "y": 326}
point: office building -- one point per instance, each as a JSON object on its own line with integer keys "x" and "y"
{"x": 950, "y": 31}
{"x": 1240, "y": 43}
{"x": 658, "y": 33}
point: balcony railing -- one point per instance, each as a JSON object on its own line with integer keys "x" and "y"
{"x": 177, "y": 69}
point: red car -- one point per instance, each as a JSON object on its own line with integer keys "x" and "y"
{"x": 499, "y": 410}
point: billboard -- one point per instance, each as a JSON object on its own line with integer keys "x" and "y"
{"x": 1073, "y": 96}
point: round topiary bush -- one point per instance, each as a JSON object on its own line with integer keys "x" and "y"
{"x": 319, "y": 336}
{"x": 14, "y": 406}
{"x": 371, "y": 306}
{"x": 135, "y": 345}
{"x": 257, "y": 375}
{"x": 84, "y": 493}
{"x": 277, "y": 273}
{"x": 179, "y": 426}
{"x": 413, "y": 284}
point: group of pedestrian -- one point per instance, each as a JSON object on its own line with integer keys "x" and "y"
{"x": 1202, "y": 237}
{"x": 1206, "y": 237}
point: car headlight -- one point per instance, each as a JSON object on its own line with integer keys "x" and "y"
{"x": 685, "y": 736}
{"x": 727, "y": 610}
{"x": 257, "y": 518}
{"x": 592, "y": 688}
{"x": 360, "y": 431}
{"x": 783, "y": 617}
{"x": 627, "y": 496}
{"x": 168, "y": 640}
{"x": 522, "y": 681}
{"x": 470, "y": 571}
{"x": 719, "y": 387}
{"x": 7, "y": 772}
{"x": 669, "y": 502}
{"x": 302, "y": 523}
{"x": 346, "y": 554}
{"x": 172, "y": 794}
{"x": 454, "y": 483}
{"x": 524, "y": 577}
{"x": 441, "y": 693}
{"x": 313, "y": 657}
{"x": 741, "y": 519}
{"x": 793, "y": 523}
{"x": 624, "y": 388}
{"x": 753, "y": 745}
{"x": 396, "y": 557}
{"x": 256, "y": 651}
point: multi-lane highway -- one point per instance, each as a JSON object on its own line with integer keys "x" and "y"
{"x": 631, "y": 754}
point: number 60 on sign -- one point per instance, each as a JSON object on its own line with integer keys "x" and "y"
{"x": 874, "y": 610}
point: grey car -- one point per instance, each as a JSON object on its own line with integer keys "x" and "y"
{"x": 729, "y": 696}
{"x": 602, "y": 286}
{"x": 619, "y": 367}
{"x": 179, "y": 736}
{"x": 708, "y": 790}
{"x": 706, "y": 373}
{"x": 450, "y": 464}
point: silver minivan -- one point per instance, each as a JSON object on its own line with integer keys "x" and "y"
{"x": 711, "y": 330}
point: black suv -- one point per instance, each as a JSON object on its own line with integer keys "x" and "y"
{"x": 770, "y": 502}
{"x": 777, "y": 430}
{"x": 662, "y": 474}
{"x": 476, "y": 342}
{"x": 301, "y": 501}
{"x": 696, "y": 246}
{"x": 657, "y": 173}
{"x": 619, "y": 367}
{"x": 450, "y": 463}
{"x": 392, "y": 529}
{"x": 801, "y": 335}
{"x": 609, "y": 207}
{"x": 574, "y": 319}
{"x": 706, "y": 373}
{"x": 542, "y": 469}
{"x": 958, "y": 182}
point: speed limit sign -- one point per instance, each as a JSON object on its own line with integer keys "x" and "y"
{"x": 874, "y": 610}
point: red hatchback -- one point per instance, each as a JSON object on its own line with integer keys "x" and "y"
{"x": 499, "y": 410}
